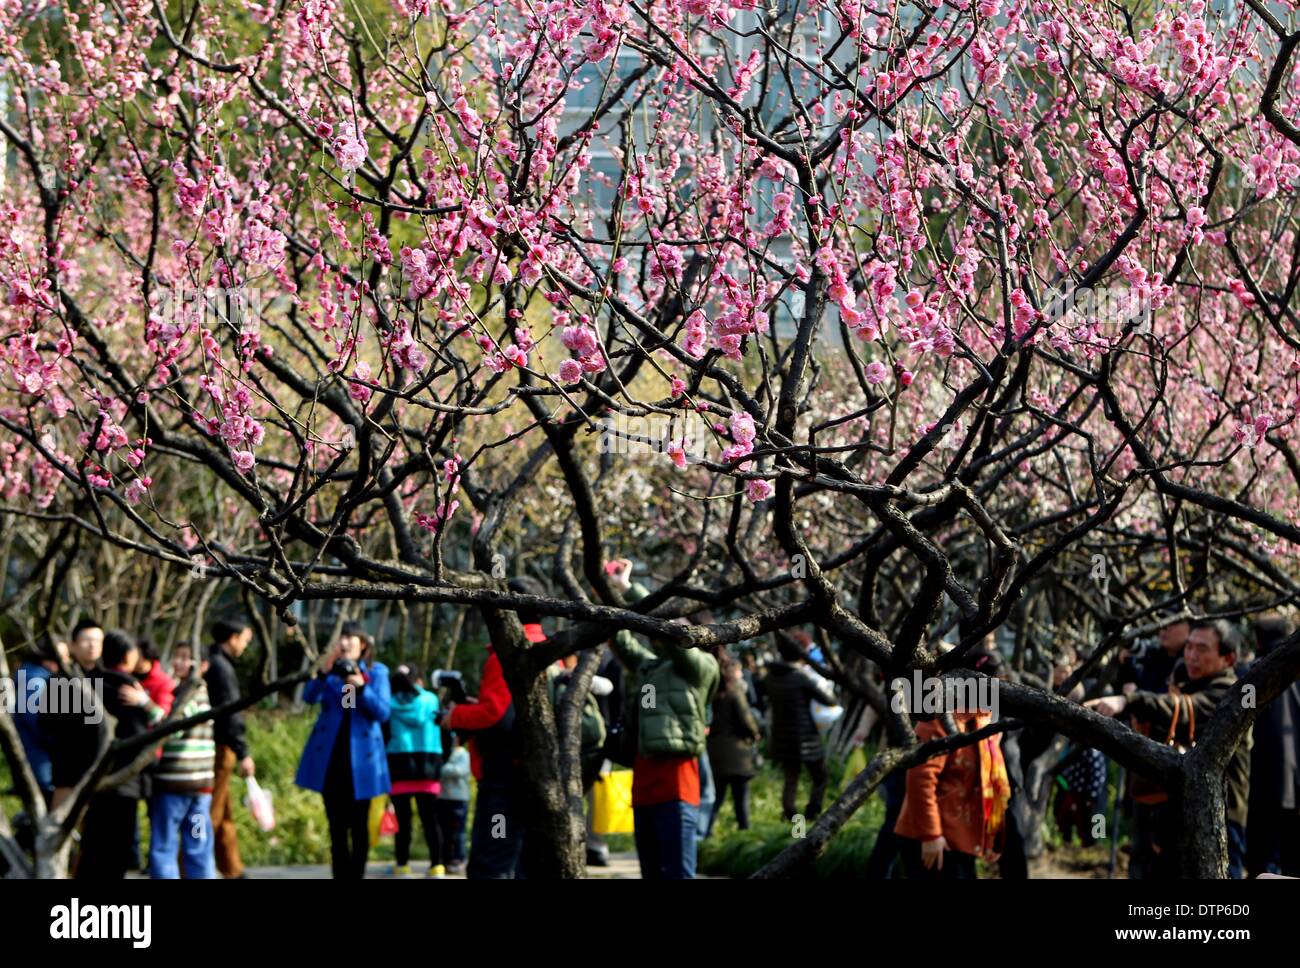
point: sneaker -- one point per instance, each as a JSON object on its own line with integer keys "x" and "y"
{"x": 403, "y": 870}
{"x": 437, "y": 870}
{"x": 597, "y": 857}
{"x": 456, "y": 867}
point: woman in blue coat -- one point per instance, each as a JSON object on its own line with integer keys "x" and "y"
{"x": 345, "y": 760}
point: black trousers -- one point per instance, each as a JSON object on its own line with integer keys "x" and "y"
{"x": 1273, "y": 839}
{"x": 884, "y": 854}
{"x": 817, "y": 771}
{"x": 957, "y": 866}
{"x": 497, "y": 838}
{"x": 349, "y": 818}
{"x": 427, "y": 805}
{"x": 739, "y": 787}
{"x": 107, "y": 838}
{"x": 349, "y": 823}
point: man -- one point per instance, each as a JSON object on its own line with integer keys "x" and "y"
{"x": 87, "y": 645}
{"x": 1210, "y": 655}
{"x": 109, "y": 832}
{"x": 1273, "y": 842}
{"x": 230, "y": 641}
{"x": 669, "y": 690}
{"x": 72, "y": 741}
{"x": 1152, "y": 669}
{"x": 497, "y": 835}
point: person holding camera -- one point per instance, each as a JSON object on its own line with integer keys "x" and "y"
{"x": 345, "y": 758}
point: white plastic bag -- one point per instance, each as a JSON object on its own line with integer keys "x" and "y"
{"x": 260, "y": 805}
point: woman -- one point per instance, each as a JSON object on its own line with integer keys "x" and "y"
{"x": 345, "y": 760}
{"x": 415, "y": 765}
{"x": 795, "y": 742}
{"x": 955, "y": 810}
{"x": 731, "y": 743}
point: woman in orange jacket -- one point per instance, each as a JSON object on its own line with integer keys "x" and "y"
{"x": 956, "y": 803}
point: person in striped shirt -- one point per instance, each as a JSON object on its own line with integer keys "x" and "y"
{"x": 180, "y": 810}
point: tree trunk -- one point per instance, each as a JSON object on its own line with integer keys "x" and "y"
{"x": 1203, "y": 840}
{"x": 556, "y": 839}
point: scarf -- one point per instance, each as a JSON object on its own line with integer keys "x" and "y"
{"x": 996, "y": 791}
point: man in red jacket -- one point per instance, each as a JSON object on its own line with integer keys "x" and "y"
{"x": 497, "y": 837}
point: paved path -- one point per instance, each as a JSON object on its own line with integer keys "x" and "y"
{"x": 621, "y": 867}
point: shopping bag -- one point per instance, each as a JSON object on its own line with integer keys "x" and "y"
{"x": 260, "y": 805}
{"x": 612, "y": 803}
{"x": 388, "y": 822}
{"x": 376, "y": 819}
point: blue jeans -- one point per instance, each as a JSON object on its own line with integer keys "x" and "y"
{"x": 708, "y": 795}
{"x": 665, "y": 840}
{"x": 181, "y": 823}
{"x": 451, "y": 819}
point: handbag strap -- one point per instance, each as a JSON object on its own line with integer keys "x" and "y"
{"x": 1173, "y": 722}
{"x": 1191, "y": 722}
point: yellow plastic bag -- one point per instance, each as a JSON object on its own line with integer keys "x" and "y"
{"x": 612, "y": 803}
{"x": 377, "y": 806}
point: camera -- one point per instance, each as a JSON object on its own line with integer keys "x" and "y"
{"x": 452, "y": 681}
{"x": 343, "y": 668}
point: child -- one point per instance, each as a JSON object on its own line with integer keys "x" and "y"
{"x": 453, "y": 802}
{"x": 415, "y": 762}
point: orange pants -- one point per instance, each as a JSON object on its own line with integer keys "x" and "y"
{"x": 223, "y": 815}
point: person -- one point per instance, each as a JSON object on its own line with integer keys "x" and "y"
{"x": 1210, "y": 657}
{"x": 1273, "y": 814}
{"x": 668, "y": 690}
{"x": 795, "y": 743}
{"x": 1081, "y": 784}
{"x": 453, "y": 802}
{"x": 152, "y": 676}
{"x": 1081, "y": 772}
{"x": 754, "y": 678}
{"x": 344, "y": 759}
{"x": 955, "y": 808}
{"x": 72, "y": 746}
{"x": 180, "y": 812}
{"x": 109, "y": 831}
{"x": 415, "y": 767}
{"x": 1153, "y": 668}
{"x": 86, "y": 645}
{"x": 183, "y": 662}
{"x": 40, "y": 664}
{"x": 732, "y": 743}
{"x": 592, "y": 723}
{"x": 230, "y": 640}
{"x": 497, "y": 834}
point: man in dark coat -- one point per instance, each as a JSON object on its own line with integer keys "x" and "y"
{"x": 1210, "y": 656}
{"x": 109, "y": 832}
{"x": 230, "y": 640}
{"x": 795, "y": 743}
{"x": 1273, "y": 842}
